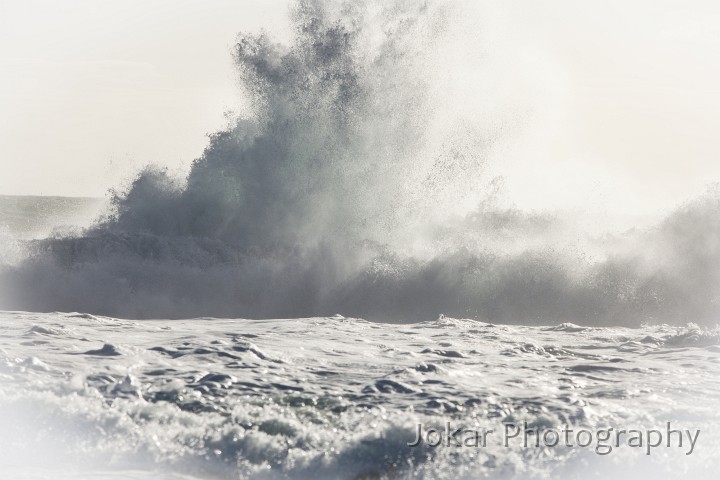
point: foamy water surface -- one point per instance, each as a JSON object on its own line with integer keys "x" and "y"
{"x": 84, "y": 396}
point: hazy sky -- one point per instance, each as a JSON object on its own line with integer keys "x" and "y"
{"x": 619, "y": 101}
{"x": 91, "y": 90}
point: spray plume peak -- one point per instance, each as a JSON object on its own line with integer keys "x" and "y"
{"x": 333, "y": 196}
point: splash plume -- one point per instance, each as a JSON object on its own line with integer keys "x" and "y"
{"x": 329, "y": 196}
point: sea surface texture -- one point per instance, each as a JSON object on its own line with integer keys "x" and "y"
{"x": 354, "y": 179}
{"x": 85, "y": 396}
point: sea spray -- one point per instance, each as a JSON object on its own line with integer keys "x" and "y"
{"x": 334, "y": 195}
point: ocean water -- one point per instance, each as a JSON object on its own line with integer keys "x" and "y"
{"x": 86, "y": 396}
{"x": 27, "y": 218}
{"x": 33, "y": 217}
{"x": 348, "y": 185}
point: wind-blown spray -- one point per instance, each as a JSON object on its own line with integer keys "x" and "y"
{"x": 331, "y": 197}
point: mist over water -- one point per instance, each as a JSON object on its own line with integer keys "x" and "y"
{"x": 345, "y": 189}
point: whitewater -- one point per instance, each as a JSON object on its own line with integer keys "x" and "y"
{"x": 348, "y": 185}
{"x": 337, "y": 272}
{"x": 85, "y": 396}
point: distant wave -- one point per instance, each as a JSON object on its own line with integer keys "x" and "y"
{"x": 331, "y": 198}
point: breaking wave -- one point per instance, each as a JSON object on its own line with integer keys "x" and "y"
{"x": 342, "y": 191}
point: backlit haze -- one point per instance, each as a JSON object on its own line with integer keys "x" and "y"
{"x": 612, "y": 106}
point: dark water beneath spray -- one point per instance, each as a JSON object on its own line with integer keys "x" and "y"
{"x": 330, "y": 196}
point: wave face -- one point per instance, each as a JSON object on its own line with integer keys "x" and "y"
{"x": 335, "y": 195}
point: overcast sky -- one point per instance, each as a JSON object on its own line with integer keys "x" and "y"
{"x": 620, "y": 99}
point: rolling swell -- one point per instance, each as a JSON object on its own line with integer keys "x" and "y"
{"x": 330, "y": 196}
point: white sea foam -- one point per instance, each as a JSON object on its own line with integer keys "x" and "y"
{"x": 350, "y": 188}
{"x": 340, "y": 397}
